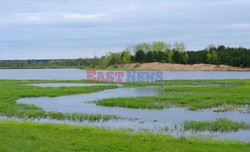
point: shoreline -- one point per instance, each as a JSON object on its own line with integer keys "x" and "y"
{"x": 153, "y": 66}
{"x": 156, "y": 66}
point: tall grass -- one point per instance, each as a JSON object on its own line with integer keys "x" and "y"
{"x": 80, "y": 116}
{"x": 221, "y": 124}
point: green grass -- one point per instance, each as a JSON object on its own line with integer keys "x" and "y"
{"x": 230, "y": 94}
{"x": 221, "y": 124}
{"x": 80, "y": 116}
{"x": 11, "y": 90}
{"x": 140, "y": 102}
{"x": 25, "y": 136}
{"x": 186, "y": 83}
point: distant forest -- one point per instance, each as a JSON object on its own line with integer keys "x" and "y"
{"x": 55, "y": 63}
{"x": 145, "y": 53}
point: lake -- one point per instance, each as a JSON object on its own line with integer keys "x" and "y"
{"x": 77, "y": 74}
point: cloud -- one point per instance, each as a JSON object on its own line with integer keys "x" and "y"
{"x": 114, "y": 24}
{"x": 122, "y": 9}
{"x": 51, "y": 17}
{"x": 239, "y": 26}
{"x": 82, "y": 17}
{"x": 33, "y": 18}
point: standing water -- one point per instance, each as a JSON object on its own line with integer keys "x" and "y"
{"x": 77, "y": 74}
{"x": 151, "y": 119}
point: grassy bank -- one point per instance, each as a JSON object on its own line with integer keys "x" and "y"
{"x": 192, "y": 94}
{"x": 24, "y": 136}
{"x": 221, "y": 124}
{"x": 223, "y": 94}
{"x": 11, "y": 90}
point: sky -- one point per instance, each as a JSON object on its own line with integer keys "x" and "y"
{"x": 54, "y": 29}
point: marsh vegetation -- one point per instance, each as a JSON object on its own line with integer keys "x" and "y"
{"x": 194, "y": 95}
{"x": 11, "y": 90}
{"x": 222, "y": 94}
{"x": 221, "y": 124}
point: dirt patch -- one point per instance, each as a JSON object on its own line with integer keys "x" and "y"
{"x": 178, "y": 67}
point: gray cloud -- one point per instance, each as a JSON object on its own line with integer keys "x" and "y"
{"x": 71, "y": 29}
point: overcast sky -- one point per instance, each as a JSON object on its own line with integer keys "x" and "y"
{"x": 44, "y": 29}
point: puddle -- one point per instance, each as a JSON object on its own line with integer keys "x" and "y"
{"x": 149, "y": 119}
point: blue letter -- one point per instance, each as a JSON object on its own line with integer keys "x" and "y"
{"x": 150, "y": 76}
{"x": 130, "y": 76}
{"x": 159, "y": 76}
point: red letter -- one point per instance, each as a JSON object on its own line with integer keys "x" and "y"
{"x": 110, "y": 77}
{"x": 100, "y": 77}
{"x": 119, "y": 74}
{"x": 90, "y": 75}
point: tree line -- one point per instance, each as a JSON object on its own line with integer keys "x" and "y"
{"x": 55, "y": 63}
{"x": 166, "y": 53}
{"x": 146, "y": 53}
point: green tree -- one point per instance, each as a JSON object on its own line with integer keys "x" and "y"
{"x": 159, "y": 46}
{"x": 180, "y": 47}
{"x": 168, "y": 48}
{"x": 209, "y": 58}
{"x": 177, "y": 57}
{"x": 142, "y": 47}
{"x": 149, "y": 56}
{"x": 214, "y": 57}
{"x": 210, "y": 47}
{"x": 170, "y": 56}
{"x": 125, "y": 57}
{"x": 113, "y": 58}
{"x": 185, "y": 58}
{"x": 139, "y": 56}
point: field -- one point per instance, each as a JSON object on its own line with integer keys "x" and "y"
{"x": 194, "y": 95}
{"x": 24, "y": 136}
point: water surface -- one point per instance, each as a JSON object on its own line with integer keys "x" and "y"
{"x": 151, "y": 119}
{"x": 56, "y": 85}
{"x": 77, "y": 74}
